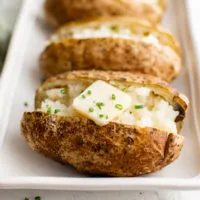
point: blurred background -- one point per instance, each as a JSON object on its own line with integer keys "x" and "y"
{"x": 9, "y": 10}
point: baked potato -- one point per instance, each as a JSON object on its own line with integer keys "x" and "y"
{"x": 118, "y": 44}
{"x": 60, "y": 12}
{"x": 142, "y": 138}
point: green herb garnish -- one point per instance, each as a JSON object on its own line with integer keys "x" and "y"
{"x": 139, "y": 106}
{"x": 113, "y": 97}
{"x": 57, "y": 111}
{"x": 100, "y": 104}
{"x": 101, "y": 115}
{"x": 26, "y": 198}
{"x": 83, "y": 96}
{"x": 114, "y": 28}
{"x": 89, "y": 92}
{"x": 63, "y": 91}
{"x": 49, "y": 110}
{"x": 119, "y": 106}
{"x": 37, "y": 198}
{"x": 106, "y": 116}
{"x": 91, "y": 109}
{"x": 26, "y": 104}
{"x": 69, "y": 34}
{"x": 131, "y": 112}
{"x": 125, "y": 89}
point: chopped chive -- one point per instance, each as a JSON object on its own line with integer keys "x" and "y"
{"x": 114, "y": 28}
{"x": 37, "y": 198}
{"x": 89, "y": 92}
{"x": 101, "y": 115}
{"x": 139, "y": 106}
{"x": 113, "y": 97}
{"x": 83, "y": 96}
{"x": 119, "y": 106}
{"x": 100, "y": 104}
{"x": 91, "y": 109}
{"x": 70, "y": 34}
{"x": 131, "y": 112}
{"x": 125, "y": 89}
{"x": 26, "y": 104}
{"x": 63, "y": 91}
{"x": 57, "y": 111}
{"x": 49, "y": 110}
{"x": 106, "y": 116}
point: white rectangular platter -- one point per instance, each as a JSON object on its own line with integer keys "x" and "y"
{"x": 20, "y": 167}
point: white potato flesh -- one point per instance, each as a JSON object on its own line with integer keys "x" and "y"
{"x": 106, "y": 30}
{"x": 144, "y": 110}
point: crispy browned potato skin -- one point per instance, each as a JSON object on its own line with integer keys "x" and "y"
{"x": 117, "y": 54}
{"x": 114, "y": 149}
{"x": 109, "y": 54}
{"x": 60, "y": 12}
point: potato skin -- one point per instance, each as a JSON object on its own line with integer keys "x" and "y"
{"x": 162, "y": 88}
{"x": 60, "y": 12}
{"x": 114, "y": 149}
{"x": 109, "y": 54}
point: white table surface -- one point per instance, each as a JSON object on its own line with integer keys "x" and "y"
{"x": 8, "y": 11}
{"x": 61, "y": 195}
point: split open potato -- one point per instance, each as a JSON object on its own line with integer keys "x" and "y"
{"x": 107, "y": 123}
{"x": 117, "y": 44}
